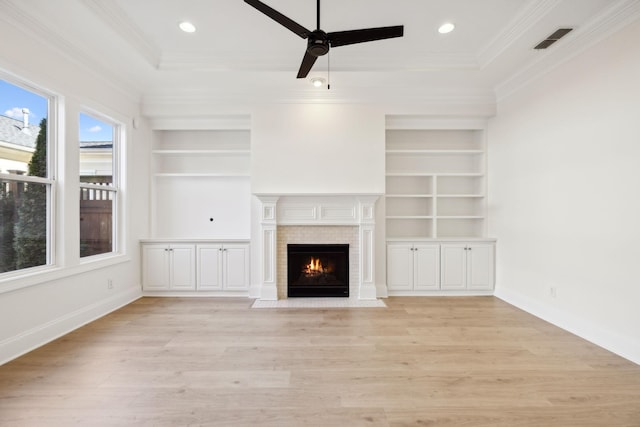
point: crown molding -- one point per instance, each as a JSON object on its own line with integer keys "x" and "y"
{"x": 183, "y": 106}
{"x": 616, "y": 17}
{"x": 523, "y": 22}
{"x": 114, "y": 17}
{"x": 212, "y": 60}
{"x": 15, "y": 14}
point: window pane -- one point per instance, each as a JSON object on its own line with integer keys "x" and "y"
{"x": 96, "y": 150}
{"x": 96, "y": 221}
{"x": 96, "y": 205}
{"x": 23, "y": 205}
{"x": 23, "y": 225}
{"x": 23, "y": 131}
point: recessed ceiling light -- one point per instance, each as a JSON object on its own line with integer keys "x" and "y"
{"x": 445, "y": 28}
{"x": 318, "y": 81}
{"x": 187, "y": 27}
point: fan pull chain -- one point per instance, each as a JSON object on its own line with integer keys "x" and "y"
{"x": 329, "y": 70}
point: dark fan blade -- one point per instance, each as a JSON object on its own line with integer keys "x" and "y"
{"x": 342, "y": 38}
{"x": 279, "y": 18}
{"x": 307, "y": 63}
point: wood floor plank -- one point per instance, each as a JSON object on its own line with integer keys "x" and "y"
{"x": 463, "y": 361}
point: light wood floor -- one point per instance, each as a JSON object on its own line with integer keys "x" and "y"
{"x": 422, "y": 361}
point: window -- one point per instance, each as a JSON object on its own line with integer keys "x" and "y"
{"x": 98, "y": 185}
{"x": 26, "y": 178}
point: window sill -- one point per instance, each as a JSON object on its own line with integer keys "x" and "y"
{"x": 39, "y": 275}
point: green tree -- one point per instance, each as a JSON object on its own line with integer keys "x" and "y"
{"x": 30, "y": 240}
{"x": 7, "y": 219}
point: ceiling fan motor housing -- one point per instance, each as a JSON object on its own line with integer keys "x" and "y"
{"x": 318, "y": 43}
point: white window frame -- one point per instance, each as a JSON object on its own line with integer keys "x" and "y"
{"x": 50, "y": 181}
{"x": 115, "y": 188}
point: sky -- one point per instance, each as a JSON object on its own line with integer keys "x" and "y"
{"x": 13, "y": 99}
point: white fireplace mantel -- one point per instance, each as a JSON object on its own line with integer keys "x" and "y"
{"x": 309, "y": 210}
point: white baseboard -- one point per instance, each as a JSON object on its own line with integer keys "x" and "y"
{"x": 13, "y": 347}
{"x": 623, "y": 346}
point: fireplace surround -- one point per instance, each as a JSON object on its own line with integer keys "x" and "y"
{"x": 315, "y": 214}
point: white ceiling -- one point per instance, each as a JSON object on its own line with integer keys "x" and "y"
{"x": 240, "y": 57}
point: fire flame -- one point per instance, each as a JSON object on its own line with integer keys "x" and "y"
{"x": 314, "y": 267}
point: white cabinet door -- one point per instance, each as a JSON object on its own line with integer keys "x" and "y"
{"x": 426, "y": 267}
{"x": 182, "y": 267}
{"x": 467, "y": 266}
{"x": 209, "y": 267}
{"x": 454, "y": 266}
{"x": 235, "y": 269}
{"x": 155, "y": 267}
{"x": 399, "y": 267}
{"x": 480, "y": 265}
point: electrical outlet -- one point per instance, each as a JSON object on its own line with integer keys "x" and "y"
{"x": 109, "y": 284}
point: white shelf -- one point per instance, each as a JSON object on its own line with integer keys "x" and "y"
{"x": 409, "y": 217}
{"x": 200, "y": 152}
{"x": 461, "y": 174}
{"x": 460, "y": 217}
{"x": 409, "y": 196}
{"x": 461, "y": 196}
{"x": 436, "y": 152}
{"x": 187, "y": 174}
{"x": 409, "y": 174}
{"x": 432, "y": 174}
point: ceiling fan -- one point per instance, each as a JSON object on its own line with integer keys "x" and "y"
{"x": 319, "y": 42}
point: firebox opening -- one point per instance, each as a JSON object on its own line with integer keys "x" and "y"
{"x": 318, "y": 270}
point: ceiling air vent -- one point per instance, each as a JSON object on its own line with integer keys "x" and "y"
{"x": 557, "y": 35}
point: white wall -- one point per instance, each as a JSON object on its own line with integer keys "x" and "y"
{"x": 317, "y": 149}
{"x": 43, "y": 306}
{"x": 564, "y": 194}
{"x": 186, "y": 205}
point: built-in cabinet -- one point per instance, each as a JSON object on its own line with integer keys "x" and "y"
{"x": 467, "y": 266}
{"x": 413, "y": 266}
{"x": 205, "y": 266}
{"x": 419, "y": 267}
{"x": 223, "y": 267}
{"x": 168, "y": 267}
{"x": 435, "y": 211}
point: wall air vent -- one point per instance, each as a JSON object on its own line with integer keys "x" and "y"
{"x": 557, "y": 35}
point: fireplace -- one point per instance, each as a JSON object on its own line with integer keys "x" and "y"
{"x": 318, "y": 270}
{"x": 317, "y": 218}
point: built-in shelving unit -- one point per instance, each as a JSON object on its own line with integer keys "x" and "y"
{"x": 201, "y": 185}
{"x": 201, "y": 153}
{"x": 435, "y": 184}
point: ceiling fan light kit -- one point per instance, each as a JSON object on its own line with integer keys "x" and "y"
{"x": 317, "y": 81}
{"x": 318, "y": 41}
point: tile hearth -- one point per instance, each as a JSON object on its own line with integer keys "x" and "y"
{"x": 319, "y": 303}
